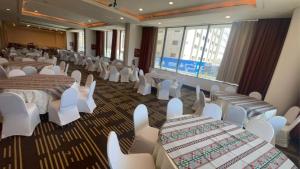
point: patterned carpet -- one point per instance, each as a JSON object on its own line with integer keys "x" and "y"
{"x": 82, "y": 144}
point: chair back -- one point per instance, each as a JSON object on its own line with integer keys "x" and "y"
{"x": 277, "y": 122}
{"x": 261, "y": 128}
{"x": 29, "y": 70}
{"x": 41, "y": 59}
{"x": 141, "y": 72}
{"x": 56, "y": 70}
{"x": 230, "y": 89}
{"x": 89, "y": 80}
{"x": 16, "y": 72}
{"x": 76, "y": 74}
{"x": 140, "y": 117}
{"x": 12, "y": 104}
{"x": 236, "y": 115}
{"x": 198, "y": 89}
{"x": 142, "y": 80}
{"x": 214, "y": 89}
{"x": 113, "y": 69}
{"x": 3, "y": 60}
{"x": 27, "y": 60}
{"x": 292, "y": 114}
{"x": 2, "y": 73}
{"x": 92, "y": 89}
{"x": 62, "y": 65}
{"x": 68, "y": 99}
{"x": 256, "y": 95}
{"x": 165, "y": 85}
{"x": 114, "y": 153}
{"x": 46, "y": 71}
{"x": 212, "y": 110}
{"x": 125, "y": 71}
{"x": 174, "y": 108}
{"x": 67, "y": 68}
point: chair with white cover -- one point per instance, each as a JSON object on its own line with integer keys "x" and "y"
{"x": 16, "y": 72}
{"x": 3, "y": 60}
{"x": 91, "y": 67}
{"x": 105, "y": 73}
{"x": 62, "y": 66}
{"x": 277, "y": 122}
{"x": 293, "y": 119}
{"x": 200, "y": 104}
{"x": 29, "y": 70}
{"x": 76, "y": 74}
{"x": 230, "y": 89}
{"x": 64, "y": 111}
{"x": 256, "y": 95}
{"x": 261, "y": 128}
{"x": 163, "y": 90}
{"x": 41, "y": 59}
{"x": 3, "y": 74}
{"x": 145, "y": 136}
{"x": 85, "y": 101}
{"x": 213, "y": 90}
{"x": 141, "y": 72}
{"x": 236, "y": 115}
{"x": 66, "y": 70}
{"x": 144, "y": 86}
{"x": 212, "y": 110}
{"x": 27, "y": 60}
{"x": 114, "y": 74}
{"x": 174, "y": 108}
{"x": 125, "y": 74}
{"x": 57, "y": 70}
{"x": 135, "y": 74}
{"x": 19, "y": 118}
{"x": 175, "y": 88}
{"x": 46, "y": 71}
{"x": 197, "y": 101}
{"x": 118, "y": 160}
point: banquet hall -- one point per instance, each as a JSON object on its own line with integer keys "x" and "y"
{"x": 148, "y": 84}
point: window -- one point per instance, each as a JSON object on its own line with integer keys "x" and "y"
{"x": 81, "y": 41}
{"x": 120, "y": 44}
{"x": 171, "y": 50}
{"x": 195, "y": 51}
{"x": 108, "y": 41}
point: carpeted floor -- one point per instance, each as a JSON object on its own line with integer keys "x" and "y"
{"x": 82, "y": 144}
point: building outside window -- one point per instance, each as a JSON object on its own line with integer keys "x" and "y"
{"x": 195, "y": 51}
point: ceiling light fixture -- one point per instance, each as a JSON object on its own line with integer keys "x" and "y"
{"x": 122, "y": 18}
{"x": 89, "y": 21}
{"x": 28, "y": 25}
{"x": 36, "y": 11}
{"x": 7, "y": 9}
{"x": 141, "y": 9}
{"x": 227, "y": 17}
{"x": 159, "y": 23}
{"x": 14, "y": 24}
{"x": 171, "y": 3}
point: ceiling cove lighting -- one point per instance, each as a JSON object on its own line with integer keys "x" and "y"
{"x": 227, "y": 17}
{"x": 159, "y": 23}
{"x": 141, "y": 9}
{"x": 122, "y": 18}
{"x": 171, "y": 3}
{"x": 7, "y": 9}
{"x": 28, "y": 25}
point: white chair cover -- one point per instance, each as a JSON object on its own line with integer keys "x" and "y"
{"x": 3, "y": 60}
{"x": 212, "y": 110}
{"x": 47, "y": 72}
{"x": 57, "y": 70}
{"x": 261, "y": 128}
{"x": 125, "y": 73}
{"x": 114, "y": 74}
{"x": 29, "y": 70}
{"x": 135, "y": 74}
{"x": 174, "y": 108}
{"x": 86, "y": 102}
{"x": 236, "y": 115}
{"x": 2, "y": 73}
{"x": 16, "y": 72}
{"x": 163, "y": 90}
{"x": 76, "y": 74}
{"x": 256, "y": 95}
{"x": 105, "y": 73}
{"x": 144, "y": 86}
{"x": 62, "y": 66}
{"x": 277, "y": 122}
{"x": 175, "y": 89}
{"x": 27, "y": 60}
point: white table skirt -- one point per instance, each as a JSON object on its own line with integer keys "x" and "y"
{"x": 161, "y": 158}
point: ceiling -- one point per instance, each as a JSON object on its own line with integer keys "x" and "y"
{"x": 95, "y": 14}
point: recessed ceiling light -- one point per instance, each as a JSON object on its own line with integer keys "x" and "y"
{"x": 227, "y": 17}
{"x": 28, "y": 25}
{"x": 7, "y": 9}
{"x": 14, "y": 24}
{"x": 36, "y": 11}
{"x": 141, "y": 9}
{"x": 89, "y": 20}
{"x": 159, "y": 23}
{"x": 171, "y": 3}
{"x": 122, "y": 18}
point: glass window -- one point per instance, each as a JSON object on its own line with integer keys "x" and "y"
{"x": 122, "y": 43}
{"x": 193, "y": 44}
{"x": 159, "y": 46}
{"x": 108, "y": 40}
{"x": 81, "y": 41}
{"x": 172, "y": 48}
{"x": 214, "y": 50}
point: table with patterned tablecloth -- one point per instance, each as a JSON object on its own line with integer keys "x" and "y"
{"x": 192, "y": 142}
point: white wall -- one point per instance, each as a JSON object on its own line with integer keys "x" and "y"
{"x": 133, "y": 36}
{"x": 90, "y": 38}
{"x": 284, "y": 89}
{"x": 70, "y": 38}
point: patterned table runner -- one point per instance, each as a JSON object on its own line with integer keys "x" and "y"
{"x": 253, "y": 106}
{"x": 38, "y": 65}
{"x": 194, "y": 142}
{"x": 53, "y": 84}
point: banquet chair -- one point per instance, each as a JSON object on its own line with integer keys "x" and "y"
{"x": 76, "y": 74}
{"x": 100, "y": 69}
{"x": 29, "y": 70}
{"x": 144, "y": 86}
{"x": 64, "y": 111}
{"x": 118, "y": 160}
{"x": 41, "y": 59}
{"x": 293, "y": 119}
{"x": 174, "y": 108}
{"x": 256, "y": 95}
{"x": 85, "y": 101}
{"x": 3, "y": 74}
{"x": 89, "y": 80}
{"x": 135, "y": 74}
{"x": 213, "y": 90}
{"x": 91, "y": 67}
{"x": 175, "y": 88}
{"x": 163, "y": 90}
{"x": 124, "y": 74}
{"x": 16, "y": 72}
{"x": 54, "y": 60}
{"x": 66, "y": 70}
{"x": 3, "y": 60}
{"x": 114, "y": 74}
{"x": 212, "y": 110}
{"x": 62, "y": 66}
{"x": 200, "y": 104}
{"x": 141, "y": 72}
{"x": 105, "y": 73}
{"x": 27, "y": 60}
{"x": 46, "y": 71}
{"x": 19, "y": 118}
{"x": 230, "y": 89}
{"x": 277, "y": 122}
{"x": 260, "y": 128}
{"x": 145, "y": 136}
{"x": 197, "y": 101}
{"x": 236, "y": 115}
{"x": 56, "y": 70}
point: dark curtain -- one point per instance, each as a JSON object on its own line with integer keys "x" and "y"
{"x": 114, "y": 45}
{"x": 147, "y": 48}
{"x": 99, "y": 43}
{"x": 75, "y": 43}
{"x": 263, "y": 55}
